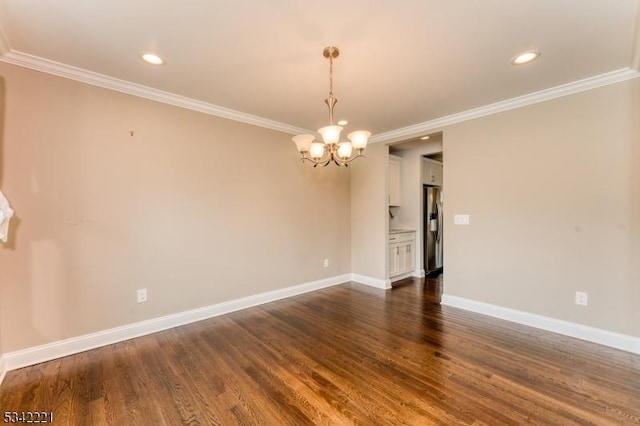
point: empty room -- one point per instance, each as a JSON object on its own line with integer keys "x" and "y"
{"x": 285, "y": 213}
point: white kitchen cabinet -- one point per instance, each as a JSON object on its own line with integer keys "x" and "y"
{"x": 431, "y": 172}
{"x": 409, "y": 256}
{"x": 402, "y": 259}
{"x": 393, "y": 260}
{"x": 395, "y": 180}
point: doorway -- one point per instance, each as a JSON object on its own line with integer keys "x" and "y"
{"x": 422, "y": 162}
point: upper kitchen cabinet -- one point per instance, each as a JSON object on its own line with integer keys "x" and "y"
{"x": 395, "y": 180}
{"x": 431, "y": 172}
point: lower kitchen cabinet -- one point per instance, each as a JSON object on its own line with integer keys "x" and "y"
{"x": 402, "y": 258}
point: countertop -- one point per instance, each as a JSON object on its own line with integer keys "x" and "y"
{"x": 400, "y": 231}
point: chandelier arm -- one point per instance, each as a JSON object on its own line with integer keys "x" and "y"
{"x": 357, "y": 156}
{"x": 315, "y": 162}
{"x": 349, "y": 160}
{"x": 326, "y": 157}
{"x": 326, "y": 160}
{"x": 321, "y": 161}
{"x": 339, "y": 161}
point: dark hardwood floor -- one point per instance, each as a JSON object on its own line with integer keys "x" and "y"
{"x": 343, "y": 355}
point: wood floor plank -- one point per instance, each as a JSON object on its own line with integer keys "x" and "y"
{"x": 348, "y": 354}
{"x": 365, "y": 367}
{"x": 289, "y": 365}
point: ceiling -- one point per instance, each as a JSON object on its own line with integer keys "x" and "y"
{"x": 402, "y": 62}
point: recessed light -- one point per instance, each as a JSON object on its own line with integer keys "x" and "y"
{"x": 525, "y": 57}
{"x": 424, "y": 138}
{"x": 152, "y": 59}
{"x": 343, "y": 123}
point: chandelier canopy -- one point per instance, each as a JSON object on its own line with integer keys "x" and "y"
{"x": 331, "y": 149}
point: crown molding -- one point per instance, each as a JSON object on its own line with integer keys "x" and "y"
{"x": 420, "y": 129}
{"x": 67, "y": 71}
{"x": 89, "y": 77}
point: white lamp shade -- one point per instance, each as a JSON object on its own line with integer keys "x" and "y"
{"x": 330, "y": 134}
{"x": 359, "y": 138}
{"x": 317, "y": 150}
{"x": 344, "y": 150}
{"x": 303, "y": 142}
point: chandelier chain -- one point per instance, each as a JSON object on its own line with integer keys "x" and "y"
{"x": 331, "y": 103}
{"x": 331, "y": 75}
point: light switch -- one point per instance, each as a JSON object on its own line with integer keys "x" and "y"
{"x": 461, "y": 219}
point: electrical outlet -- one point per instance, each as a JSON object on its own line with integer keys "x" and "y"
{"x": 142, "y": 295}
{"x": 326, "y": 263}
{"x": 461, "y": 219}
{"x": 581, "y": 298}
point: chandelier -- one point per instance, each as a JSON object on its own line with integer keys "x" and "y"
{"x": 331, "y": 149}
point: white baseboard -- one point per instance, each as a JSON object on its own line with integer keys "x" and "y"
{"x": 401, "y": 277}
{"x": 3, "y": 370}
{"x": 420, "y": 273}
{"x": 30, "y": 356}
{"x": 591, "y": 334}
{"x": 371, "y": 282}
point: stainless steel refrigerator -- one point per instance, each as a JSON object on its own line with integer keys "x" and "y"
{"x": 432, "y": 230}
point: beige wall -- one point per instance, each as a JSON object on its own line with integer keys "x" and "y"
{"x": 201, "y": 210}
{"x": 369, "y": 213}
{"x": 195, "y": 208}
{"x": 553, "y": 191}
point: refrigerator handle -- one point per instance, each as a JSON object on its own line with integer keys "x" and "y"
{"x": 438, "y": 223}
